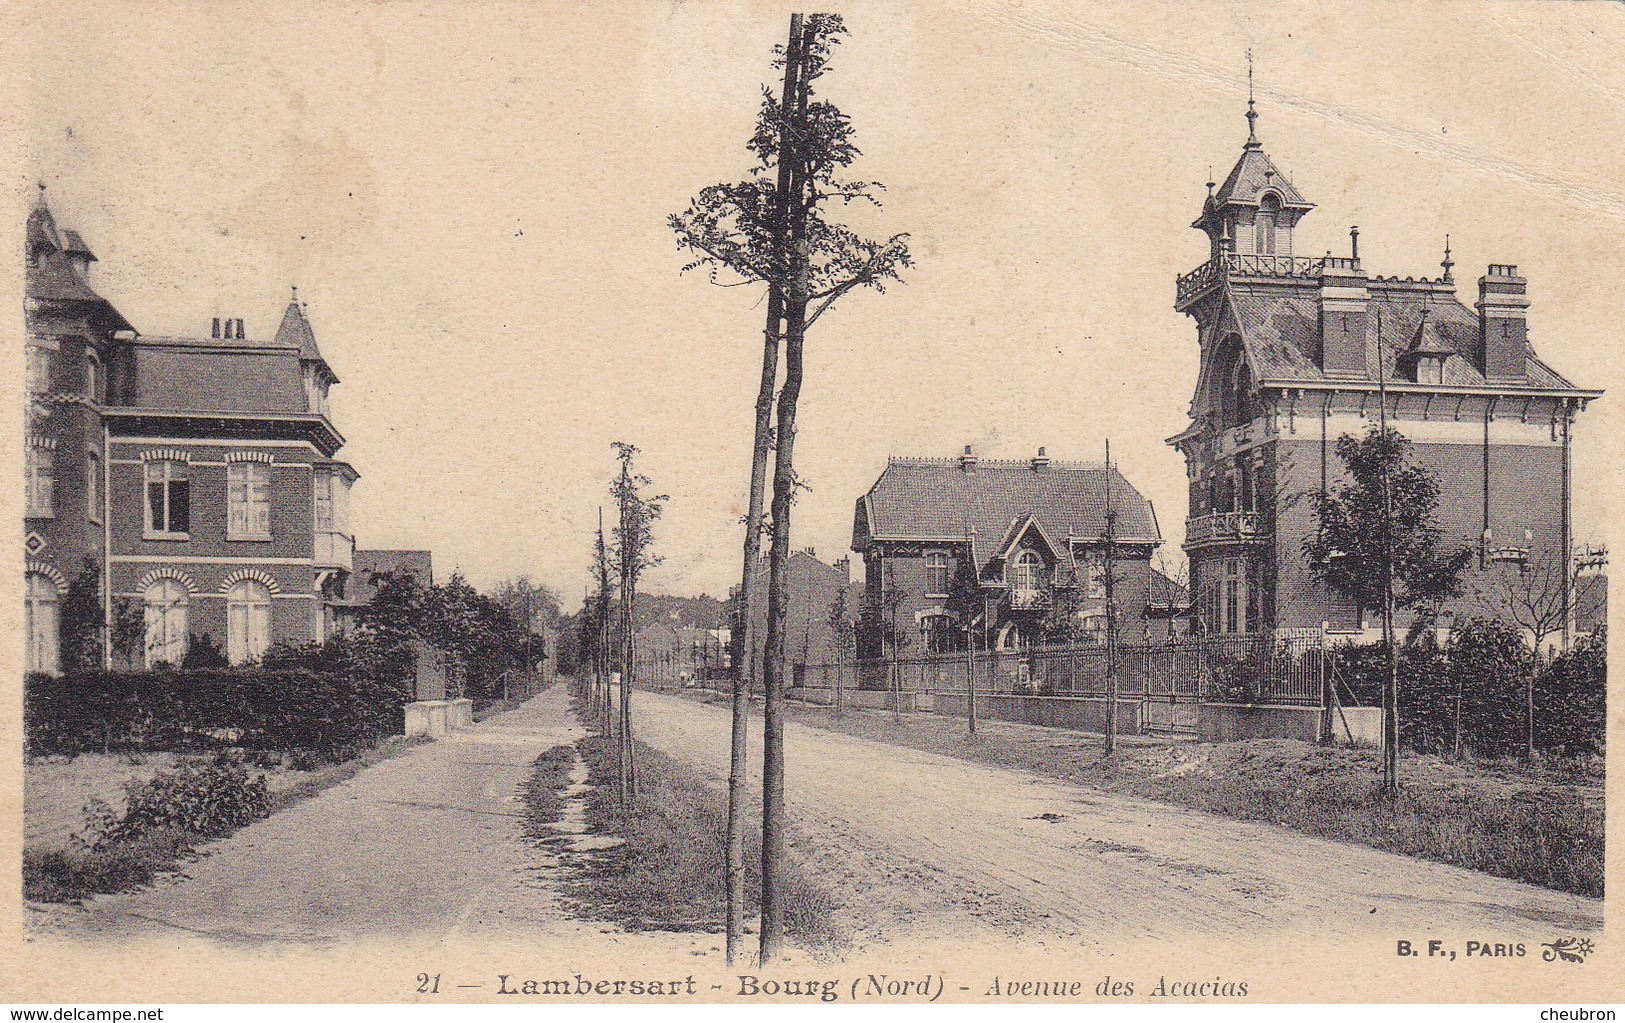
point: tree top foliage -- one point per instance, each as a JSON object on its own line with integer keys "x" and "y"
{"x": 733, "y": 229}
{"x": 1346, "y": 552}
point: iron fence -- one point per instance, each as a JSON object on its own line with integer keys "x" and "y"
{"x": 1286, "y": 669}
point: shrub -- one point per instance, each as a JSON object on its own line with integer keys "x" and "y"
{"x": 207, "y": 799}
{"x": 1571, "y": 696}
{"x": 1491, "y": 669}
{"x": 331, "y": 713}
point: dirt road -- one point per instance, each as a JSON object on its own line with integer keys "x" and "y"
{"x": 424, "y": 850}
{"x": 1062, "y": 860}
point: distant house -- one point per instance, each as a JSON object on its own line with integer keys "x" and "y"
{"x": 1031, "y": 538}
{"x": 811, "y": 589}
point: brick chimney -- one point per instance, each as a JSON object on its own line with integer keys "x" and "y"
{"x": 1503, "y": 330}
{"x": 1344, "y": 307}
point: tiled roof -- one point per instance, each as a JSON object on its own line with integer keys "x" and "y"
{"x": 1280, "y": 326}
{"x": 216, "y": 375}
{"x": 417, "y": 564}
{"x": 1251, "y": 176}
{"x": 295, "y": 330}
{"x": 936, "y": 499}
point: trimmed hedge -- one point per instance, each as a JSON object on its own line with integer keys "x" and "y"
{"x": 330, "y": 714}
{"x": 1479, "y": 683}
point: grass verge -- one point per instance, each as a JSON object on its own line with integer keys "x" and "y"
{"x": 668, "y": 872}
{"x": 1542, "y": 824}
{"x": 78, "y": 872}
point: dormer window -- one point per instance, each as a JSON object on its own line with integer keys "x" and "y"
{"x": 1027, "y": 572}
{"x": 1430, "y": 370}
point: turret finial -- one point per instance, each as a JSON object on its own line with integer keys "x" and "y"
{"x": 1447, "y": 262}
{"x": 295, "y": 298}
{"x": 40, "y": 201}
{"x": 1252, "y": 115}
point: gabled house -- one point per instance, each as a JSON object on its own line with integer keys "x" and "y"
{"x": 1019, "y": 547}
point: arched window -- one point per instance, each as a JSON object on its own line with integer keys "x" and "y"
{"x": 165, "y": 613}
{"x": 1027, "y": 573}
{"x": 248, "y": 621}
{"x": 41, "y": 623}
{"x": 94, "y": 380}
{"x": 1269, "y": 211}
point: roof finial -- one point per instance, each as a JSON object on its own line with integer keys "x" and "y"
{"x": 1447, "y": 262}
{"x": 295, "y": 299}
{"x": 1252, "y": 115}
{"x": 40, "y": 202}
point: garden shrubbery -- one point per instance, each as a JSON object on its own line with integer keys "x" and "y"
{"x": 1473, "y": 694}
{"x": 328, "y": 702}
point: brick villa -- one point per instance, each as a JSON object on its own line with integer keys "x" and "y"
{"x": 1292, "y": 351}
{"x": 198, "y": 477}
{"x": 1035, "y": 534}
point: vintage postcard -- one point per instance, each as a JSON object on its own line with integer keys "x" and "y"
{"x": 646, "y": 503}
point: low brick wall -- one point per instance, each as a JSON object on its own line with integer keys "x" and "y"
{"x": 1078, "y": 713}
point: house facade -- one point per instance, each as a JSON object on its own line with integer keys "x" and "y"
{"x": 1020, "y": 547}
{"x": 1297, "y": 352}
{"x": 178, "y": 487}
{"x": 812, "y": 589}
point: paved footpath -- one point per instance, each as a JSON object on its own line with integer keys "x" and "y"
{"x": 1087, "y": 864}
{"x": 426, "y": 843}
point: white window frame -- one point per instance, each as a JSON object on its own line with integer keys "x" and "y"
{"x": 935, "y": 562}
{"x": 248, "y": 621}
{"x": 324, "y": 488}
{"x": 42, "y": 623}
{"x": 93, "y": 486}
{"x": 1024, "y": 579}
{"x": 93, "y": 377}
{"x": 248, "y": 501}
{"x": 39, "y": 369}
{"x": 40, "y": 482}
{"x": 165, "y": 605}
{"x": 169, "y": 472}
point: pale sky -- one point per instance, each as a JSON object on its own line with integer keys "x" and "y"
{"x": 472, "y": 200}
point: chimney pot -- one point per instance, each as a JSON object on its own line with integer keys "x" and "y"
{"x": 214, "y": 331}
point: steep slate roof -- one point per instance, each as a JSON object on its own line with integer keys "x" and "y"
{"x": 48, "y": 275}
{"x": 1280, "y": 328}
{"x": 935, "y": 499}
{"x": 1252, "y": 175}
{"x": 417, "y": 564}
{"x": 295, "y": 330}
{"x": 215, "y": 375}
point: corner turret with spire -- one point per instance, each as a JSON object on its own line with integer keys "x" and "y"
{"x": 1255, "y": 210}
{"x": 318, "y": 375}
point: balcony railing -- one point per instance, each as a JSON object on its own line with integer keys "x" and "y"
{"x": 333, "y": 550}
{"x": 1239, "y": 264}
{"x": 1028, "y": 600}
{"x": 1222, "y": 527}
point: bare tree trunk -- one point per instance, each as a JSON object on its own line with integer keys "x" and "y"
{"x": 784, "y": 484}
{"x": 762, "y": 442}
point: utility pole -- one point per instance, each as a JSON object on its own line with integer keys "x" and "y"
{"x": 970, "y": 635}
{"x": 1111, "y": 609}
{"x": 1390, "y": 689}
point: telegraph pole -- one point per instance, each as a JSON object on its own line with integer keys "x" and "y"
{"x": 1111, "y": 610}
{"x": 1390, "y": 689}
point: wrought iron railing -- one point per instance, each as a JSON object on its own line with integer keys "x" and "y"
{"x": 1224, "y": 526}
{"x": 1220, "y": 267}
